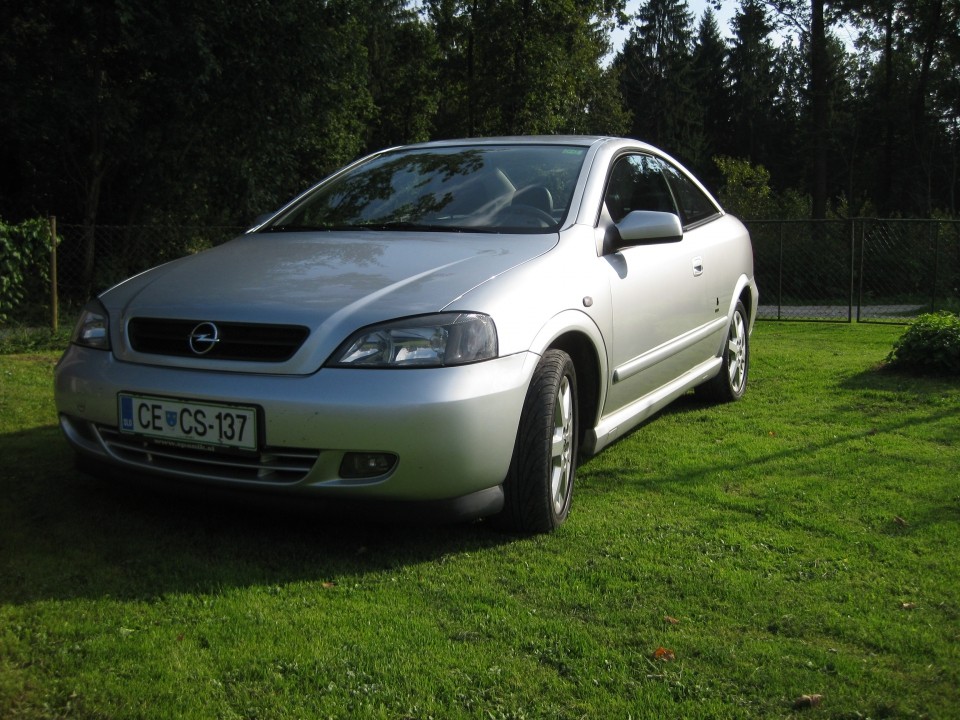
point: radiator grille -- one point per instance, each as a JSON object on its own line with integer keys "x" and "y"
{"x": 234, "y": 341}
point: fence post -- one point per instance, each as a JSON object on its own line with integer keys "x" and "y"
{"x": 853, "y": 270}
{"x": 780, "y": 273}
{"x": 54, "y": 298}
{"x": 935, "y": 232}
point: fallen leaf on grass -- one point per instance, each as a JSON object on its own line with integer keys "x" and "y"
{"x": 908, "y": 606}
{"x": 328, "y": 585}
{"x": 900, "y": 521}
{"x": 671, "y": 620}
{"x": 807, "y": 701}
{"x": 664, "y": 655}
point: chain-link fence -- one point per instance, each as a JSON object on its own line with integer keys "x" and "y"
{"x": 90, "y": 260}
{"x": 864, "y": 269}
{"x": 834, "y": 270}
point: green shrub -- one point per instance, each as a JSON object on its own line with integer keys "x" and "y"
{"x": 746, "y": 191}
{"x": 24, "y": 265}
{"x": 930, "y": 345}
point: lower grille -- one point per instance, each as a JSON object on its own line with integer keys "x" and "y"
{"x": 276, "y": 466}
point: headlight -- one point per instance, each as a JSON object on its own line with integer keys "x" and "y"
{"x": 92, "y": 329}
{"x": 426, "y": 341}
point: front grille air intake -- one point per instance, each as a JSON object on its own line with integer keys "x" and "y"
{"x": 274, "y": 466}
{"x": 233, "y": 341}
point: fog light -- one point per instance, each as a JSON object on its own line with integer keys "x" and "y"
{"x": 357, "y": 465}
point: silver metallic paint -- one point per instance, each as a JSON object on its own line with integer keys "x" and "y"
{"x": 654, "y": 325}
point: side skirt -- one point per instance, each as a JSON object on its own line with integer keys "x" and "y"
{"x": 618, "y": 424}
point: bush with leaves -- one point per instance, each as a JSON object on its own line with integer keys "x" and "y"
{"x": 931, "y": 345}
{"x": 746, "y": 189}
{"x": 746, "y": 193}
{"x": 24, "y": 265}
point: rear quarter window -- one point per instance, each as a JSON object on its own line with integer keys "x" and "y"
{"x": 695, "y": 207}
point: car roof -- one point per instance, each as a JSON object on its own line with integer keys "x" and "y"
{"x": 586, "y": 141}
{"x": 521, "y": 140}
{"x": 578, "y": 140}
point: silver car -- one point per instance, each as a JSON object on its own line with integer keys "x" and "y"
{"x": 446, "y": 326}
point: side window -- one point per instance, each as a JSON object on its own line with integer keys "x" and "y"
{"x": 637, "y": 183}
{"x": 694, "y": 205}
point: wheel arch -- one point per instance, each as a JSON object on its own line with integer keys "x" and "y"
{"x": 578, "y": 334}
{"x": 586, "y": 362}
{"x": 747, "y": 293}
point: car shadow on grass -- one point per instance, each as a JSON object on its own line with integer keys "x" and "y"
{"x": 66, "y": 535}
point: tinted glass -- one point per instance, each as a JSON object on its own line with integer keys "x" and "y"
{"x": 694, "y": 205}
{"x": 504, "y": 188}
{"x": 637, "y": 183}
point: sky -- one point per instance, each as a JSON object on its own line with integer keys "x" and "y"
{"x": 728, "y": 8}
{"x": 724, "y": 15}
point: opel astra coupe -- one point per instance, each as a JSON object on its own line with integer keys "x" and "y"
{"x": 449, "y": 325}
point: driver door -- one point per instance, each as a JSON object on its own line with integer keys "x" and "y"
{"x": 657, "y": 292}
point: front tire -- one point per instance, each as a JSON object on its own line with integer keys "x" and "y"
{"x": 731, "y": 382}
{"x": 539, "y": 485}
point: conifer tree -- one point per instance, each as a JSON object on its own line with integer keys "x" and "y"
{"x": 657, "y": 77}
{"x": 712, "y": 91}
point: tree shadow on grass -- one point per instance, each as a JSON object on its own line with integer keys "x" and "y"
{"x": 688, "y": 404}
{"x": 888, "y": 405}
{"x": 940, "y": 421}
{"x": 884, "y": 377}
{"x": 66, "y": 535}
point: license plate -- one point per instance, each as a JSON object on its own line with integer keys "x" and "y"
{"x": 226, "y": 426}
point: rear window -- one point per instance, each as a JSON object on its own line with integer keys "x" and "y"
{"x": 694, "y": 205}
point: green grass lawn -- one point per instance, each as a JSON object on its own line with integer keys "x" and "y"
{"x": 804, "y": 541}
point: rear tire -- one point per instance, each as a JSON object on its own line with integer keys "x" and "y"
{"x": 731, "y": 382}
{"x": 539, "y": 485}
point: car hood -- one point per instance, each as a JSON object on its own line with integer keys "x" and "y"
{"x": 332, "y": 283}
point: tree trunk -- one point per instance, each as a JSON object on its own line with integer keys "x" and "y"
{"x": 819, "y": 101}
{"x": 90, "y": 209}
{"x": 886, "y": 175}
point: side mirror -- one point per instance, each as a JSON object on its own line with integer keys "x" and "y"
{"x": 642, "y": 227}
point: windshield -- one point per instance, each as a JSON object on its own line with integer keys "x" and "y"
{"x": 488, "y": 188}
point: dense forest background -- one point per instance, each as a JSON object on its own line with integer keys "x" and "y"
{"x": 213, "y": 112}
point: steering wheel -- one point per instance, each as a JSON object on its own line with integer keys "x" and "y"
{"x": 526, "y": 216}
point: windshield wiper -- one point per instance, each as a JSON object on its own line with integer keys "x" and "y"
{"x": 313, "y": 228}
{"x": 408, "y": 225}
{"x": 401, "y": 225}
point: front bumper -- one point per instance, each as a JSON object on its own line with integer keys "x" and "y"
{"x": 452, "y": 429}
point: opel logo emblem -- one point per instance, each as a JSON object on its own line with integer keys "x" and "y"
{"x": 204, "y": 338}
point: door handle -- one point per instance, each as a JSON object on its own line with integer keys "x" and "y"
{"x": 697, "y": 266}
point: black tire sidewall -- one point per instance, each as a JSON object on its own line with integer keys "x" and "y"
{"x": 719, "y": 389}
{"x": 737, "y": 393}
{"x": 528, "y": 503}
